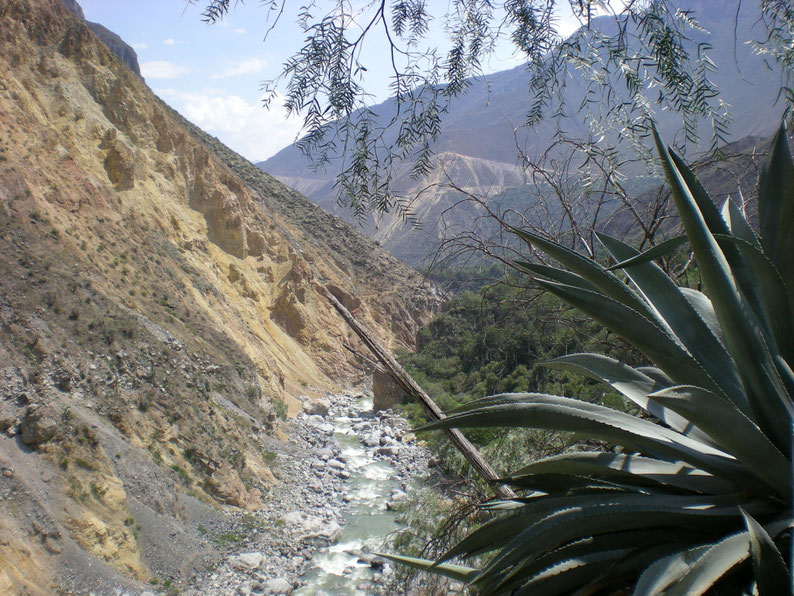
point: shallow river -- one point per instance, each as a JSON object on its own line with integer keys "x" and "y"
{"x": 367, "y": 523}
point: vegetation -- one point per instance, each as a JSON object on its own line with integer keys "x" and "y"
{"x": 492, "y": 342}
{"x": 697, "y": 498}
{"x": 640, "y": 44}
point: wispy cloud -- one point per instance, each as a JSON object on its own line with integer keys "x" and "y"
{"x": 240, "y": 31}
{"x": 248, "y": 128}
{"x": 247, "y": 66}
{"x": 139, "y": 45}
{"x": 172, "y": 42}
{"x": 162, "y": 69}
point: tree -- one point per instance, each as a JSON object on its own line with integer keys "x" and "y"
{"x": 695, "y": 495}
{"x": 640, "y": 44}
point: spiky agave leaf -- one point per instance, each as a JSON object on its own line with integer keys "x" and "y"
{"x": 704, "y": 487}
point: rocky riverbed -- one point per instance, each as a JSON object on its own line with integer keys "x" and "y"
{"x": 341, "y": 470}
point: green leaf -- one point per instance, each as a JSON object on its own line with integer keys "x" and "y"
{"x": 615, "y": 514}
{"x": 771, "y": 573}
{"x": 626, "y": 468}
{"x": 705, "y": 310}
{"x": 732, "y": 432}
{"x": 633, "y": 384}
{"x": 565, "y": 414}
{"x": 713, "y": 563}
{"x": 456, "y": 572}
{"x": 772, "y": 295}
{"x": 667, "y": 571}
{"x": 643, "y": 334}
{"x": 592, "y": 272}
{"x": 766, "y": 392}
{"x": 776, "y": 208}
{"x": 554, "y": 274}
{"x": 660, "y": 250}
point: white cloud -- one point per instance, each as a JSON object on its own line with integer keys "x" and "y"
{"x": 162, "y": 69}
{"x": 248, "y": 128}
{"x": 240, "y": 31}
{"x": 172, "y": 42}
{"x": 139, "y": 45}
{"x": 247, "y": 66}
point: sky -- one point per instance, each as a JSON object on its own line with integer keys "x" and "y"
{"x": 213, "y": 74}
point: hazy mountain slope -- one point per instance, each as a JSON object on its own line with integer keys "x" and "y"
{"x": 155, "y": 315}
{"x": 480, "y": 129}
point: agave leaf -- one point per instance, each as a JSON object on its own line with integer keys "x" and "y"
{"x": 456, "y": 572}
{"x": 738, "y": 226}
{"x": 672, "y": 307}
{"x": 766, "y": 392}
{"x": 733, "y": 432}
{"x": 771, "y": 573}
{"x": 667, "y": 571}
{"x": 615, "y": 514}
{"x": 712, "y": 564}
{"x": 772, "y": 294}
{"x": 633, "y": 384}
{"x": 635, "y": 469}
{"x": 636, "y": 541}
{"x": 567, "y": 575}
{"x": 717, "y": 225}
{"x": 555, "y": 274}
{"x": 499, "y": 531}
{"x": 705, "y": 310}
{"x": 658, "y": 375}
{"x": 606, "y": 282}
{"x": 711, "y": 215}
{"x": 776, "y": 208}
{"x": 645, "y": 335}
{"x": 565, "y": 414}
{"x": 650, "y": 254}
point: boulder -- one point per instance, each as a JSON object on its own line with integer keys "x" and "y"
{"x": 317, "y": 407}
{"x": 278, "y": 585}
{"x": 247, "y": 561}
{"x": 308, "y": 528}
{"x": 39, "y": 425}
{"x": 386, "y": 393}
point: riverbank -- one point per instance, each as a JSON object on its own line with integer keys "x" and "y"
{"x": 340, "y": 472}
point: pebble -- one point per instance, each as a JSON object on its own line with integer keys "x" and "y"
{"x": 303, "y": 514}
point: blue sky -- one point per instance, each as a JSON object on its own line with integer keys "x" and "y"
{"x": 212, "y": 74}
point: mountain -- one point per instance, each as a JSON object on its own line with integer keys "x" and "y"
{"x": 477, "y": 148}
{"x": 114, "y": 43}
{"x": 161, "y": 309}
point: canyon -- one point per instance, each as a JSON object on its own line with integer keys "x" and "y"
{"x": 162, "y": 315}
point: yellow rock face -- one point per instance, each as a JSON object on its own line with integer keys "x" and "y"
{"x": 161, "y": 306}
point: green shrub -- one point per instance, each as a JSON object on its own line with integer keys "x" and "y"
{"x": 696, "y": 494}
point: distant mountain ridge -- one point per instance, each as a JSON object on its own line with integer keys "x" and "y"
{"x": 478, "y": 142}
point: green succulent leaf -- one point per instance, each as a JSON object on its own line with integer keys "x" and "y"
{"x": 733, "y": 432}
{"x": 633, "y": 384}
{"x": 776, "y": 208}
{"x": 766, "y": 393}
{"x": 643, "y": 472}
{"x": 771, "y": 573}
{"x": 638, "y": 330}
{"x": 554, "y": 274}
{"x": 605, "y": 281}
{"x": 456, "y": 572}
{"x": 660, "y": 250}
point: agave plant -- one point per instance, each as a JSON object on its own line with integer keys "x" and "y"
{"x": 696, "y": 495}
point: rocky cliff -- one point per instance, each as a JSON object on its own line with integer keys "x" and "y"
{"x": 159, "y": 313}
